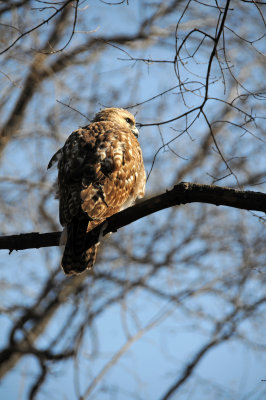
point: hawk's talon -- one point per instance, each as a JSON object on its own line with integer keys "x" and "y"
{"x": 103, "y": 228}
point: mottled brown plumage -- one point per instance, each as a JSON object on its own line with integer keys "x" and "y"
{"x": 100, "y": 172}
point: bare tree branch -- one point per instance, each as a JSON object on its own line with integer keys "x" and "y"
{"x": 36, "y": 27}
{"x": 182, "y": 193}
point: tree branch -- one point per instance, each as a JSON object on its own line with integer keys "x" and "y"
{"x": 36, "y": 26}
{"x": 182, "y": 193}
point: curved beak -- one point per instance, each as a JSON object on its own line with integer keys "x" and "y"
{"x": 135, "y": 132}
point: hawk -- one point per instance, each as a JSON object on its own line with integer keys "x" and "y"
{"x": 100, "y": 172}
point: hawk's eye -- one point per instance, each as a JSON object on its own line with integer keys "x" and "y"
{"x": 129, "y": 121}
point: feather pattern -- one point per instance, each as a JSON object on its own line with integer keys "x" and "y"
{"x": 100, "y": 172}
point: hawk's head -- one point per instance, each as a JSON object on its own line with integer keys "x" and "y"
{"x": 118, "y": 115}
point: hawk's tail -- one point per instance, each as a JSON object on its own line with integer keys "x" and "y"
{"x": 76, "y": 258}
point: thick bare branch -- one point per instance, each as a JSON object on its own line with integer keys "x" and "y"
{"x": 182, "y": 193}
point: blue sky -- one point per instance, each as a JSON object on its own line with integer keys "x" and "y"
{"x": 234, "y": 369}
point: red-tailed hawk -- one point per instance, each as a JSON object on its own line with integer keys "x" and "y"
{"x": 100, "y": 172}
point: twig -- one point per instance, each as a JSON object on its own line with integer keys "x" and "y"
{"x": 36, "y": 27}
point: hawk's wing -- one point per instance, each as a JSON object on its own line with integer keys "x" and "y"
{"x": 100, "y": 171}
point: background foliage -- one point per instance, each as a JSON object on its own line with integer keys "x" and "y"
{"x": 175, "y": 306}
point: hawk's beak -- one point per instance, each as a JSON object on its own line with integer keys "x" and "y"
{"x": 135, "y": 132}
